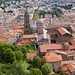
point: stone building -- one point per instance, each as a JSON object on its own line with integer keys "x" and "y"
{"x": 27, "y": 28}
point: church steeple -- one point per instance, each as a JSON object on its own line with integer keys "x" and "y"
{"x": 27, "y": 29}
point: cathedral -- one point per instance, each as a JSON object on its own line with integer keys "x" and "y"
{"x": 27, "y": 29}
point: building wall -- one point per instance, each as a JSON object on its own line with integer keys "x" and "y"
{"x": 64, "y": 57}
{"x": 12, "y": 40}
{"x": 73, "y": 73}
{"x": 64, "y": 38}
{"x": 56, "y": 66}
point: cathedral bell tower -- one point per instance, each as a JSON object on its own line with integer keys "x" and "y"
{"x": 27, "y": 29}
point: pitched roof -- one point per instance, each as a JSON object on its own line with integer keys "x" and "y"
{"x": 45, "y": 47}
{"x": 52, "y": 57}
{"x": 59, "y": 52}
{"x": 29, "y": 36}
{"x": 52, "y": 32}
{"x": 63, "y": 31}
{"x": 72, "y": 41}
{"x": 3, "y": 40}
{"x": 72, "y": 47}
{"x": 68, "y": 68}
{"x": 69, "y": 52}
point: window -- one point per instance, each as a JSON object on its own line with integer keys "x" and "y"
{"x": 26, "y": 26}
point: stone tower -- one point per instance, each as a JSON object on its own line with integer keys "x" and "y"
{"x": 27, "y": 29}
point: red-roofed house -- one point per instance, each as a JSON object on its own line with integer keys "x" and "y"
{"x": 49, "y": 47}
{"x": 54, "y": 60}
{"x": 69, "y": 69}
{"x": 63, "y": 34}
{"x": 29, "y": 39}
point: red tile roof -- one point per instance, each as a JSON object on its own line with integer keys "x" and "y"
{"x": 52, "y": 57}
{"x": 72, "y": 47}
{"x": 72, "y": 41}
{"x": 52, "y": 32}
{"x": 68, "y": 68}
{"x": 63, "y": 31}
{"x": 45, "y": 47}
{"x": 69, "y": 52}
{"x": 29, "y": 36}
{"x": 3, "y": 40}
{"x": 57, "y": 40}
{"x": 60, "y": 52}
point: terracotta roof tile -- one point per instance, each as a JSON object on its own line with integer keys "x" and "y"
{"x": 67, "y": 72}
{"x": 63, "y": 31}
{"x": 68, "y": 68}
{"x": 72, "y": 41}
{"x": 45, "y": 47}
{"x": 28, "y": 36}
{"x": 69, "y": 52}
{"x": 72, "y": 47}
{"x": 53, "y": 32}
{"x": 64, "y": 68}
{"x": 71, "y": 67}
{"x": 58, "y": 41}
{"x": 60, "y": 52}
{"x": 52, "y": 57}
{"x": 3, "y": 40}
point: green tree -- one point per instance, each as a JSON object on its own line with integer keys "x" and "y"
{"x": 19, "y": 55}
{"x": 62, "y": 73}
{"x": 15, "y": 48}
{"x": 35, "y": 71}
{"x": 46, "y": 69}
{"x": 3, "y": 47}
{"x": 9, "y": 56}
{"x": 20, "y": 68}
{"x": 43, "y": 61}
{"x": 17, "y": 70}
{"x": 24, "y": 51}
{"x": 37, "y": 61}
{"x": 42, "y": 13}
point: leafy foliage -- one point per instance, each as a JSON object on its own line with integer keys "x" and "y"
{"x": 37, "y": 61}
{"x": 9, "y": 56}
{"x": 19, "y": 55}
{"x": 10, "y": 63}
{"x": 20, "y": 51}
{"x": 46, "y": 69}
{"x": 35, "y": 71}
{"x": 62, "y": 73}
{"x": 54, "y": 11}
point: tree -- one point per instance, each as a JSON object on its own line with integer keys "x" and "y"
{"x": 24, "y": 51}
{"x": 62, "y": 73}
{"x": 9, "y": 56}
{"x": 3, "y": 47}
{"x": 46, "y": 69}
{"x": 17, "y": 70}
{"x": 43, "y": 61}
{"x": 42, "y": 13}
{"x": 35, "y": 71}
{"x": 19, "y": 55}
{"x": 20, "y": 68}
{"x": 15, "y": 48}
{"x": 37, "y": 61}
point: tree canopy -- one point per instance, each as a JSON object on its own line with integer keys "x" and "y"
{"x": 9, "y": 56}
{"x": 46, "y": 69}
